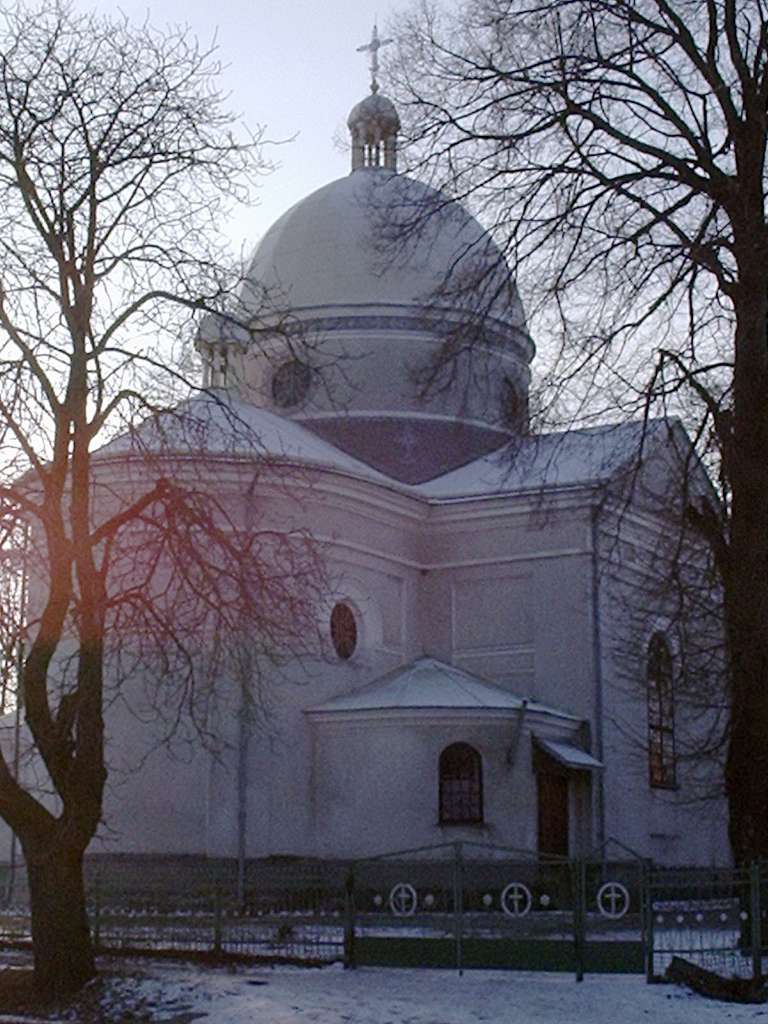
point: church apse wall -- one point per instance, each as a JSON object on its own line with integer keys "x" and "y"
{"x": 362, "y": 809}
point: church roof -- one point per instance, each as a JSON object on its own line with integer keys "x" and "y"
{"x": 221, "y": 425}
{"x": 429, "y": 683}
{"x": 568, "y": 754}
{"x": 570, "y": 458}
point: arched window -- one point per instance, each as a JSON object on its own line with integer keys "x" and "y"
{"x": 661, "y": 713}
{"x": 461, "y": 785}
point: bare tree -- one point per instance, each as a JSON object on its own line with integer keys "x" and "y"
{"x": 617, "y": 148}
{"x": 118, "y": 163}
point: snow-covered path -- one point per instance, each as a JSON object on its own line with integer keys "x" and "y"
{"x": 281, "y": 995}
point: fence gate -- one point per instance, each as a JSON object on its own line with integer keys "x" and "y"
{"x": 469, "y": 905}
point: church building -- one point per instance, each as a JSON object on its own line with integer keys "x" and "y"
{"x": 481, "y": 679}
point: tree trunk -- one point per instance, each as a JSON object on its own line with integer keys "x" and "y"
{"x": 747, "y": 763}
{"x": 61, "y": 937}
{"x": 746, "y": 577}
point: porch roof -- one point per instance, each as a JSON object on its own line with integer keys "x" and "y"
{"x": 429, "y": 683}
{"x": 568, "y": 755}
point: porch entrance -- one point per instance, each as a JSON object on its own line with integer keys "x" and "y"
{"x": 553, "y": 814}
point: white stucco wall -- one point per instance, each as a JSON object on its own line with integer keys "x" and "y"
{"x": 502, "y": 587}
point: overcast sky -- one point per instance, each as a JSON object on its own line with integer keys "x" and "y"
{"x": 291, "y": 67}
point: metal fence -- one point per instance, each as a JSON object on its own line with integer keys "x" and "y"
{"x": 216, "y": 925}
{"x": 476, "y": 905}
{"x": 460, "y": 905}
{"x": 714, "y": 917}
{"x": 282, "y": 910}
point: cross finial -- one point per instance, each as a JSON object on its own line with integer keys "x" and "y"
{"x": 373, "y": 47}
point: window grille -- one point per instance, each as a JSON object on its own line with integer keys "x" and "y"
{"x": 343, "y": 630}
{"x": 461, "y": 785}
{"x": 661, "y": 714}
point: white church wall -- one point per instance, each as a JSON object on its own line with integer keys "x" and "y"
{"x": 680, "y": 825}
{"x": 196, "y": 804}
{"x": 504, "y": 528}
{"x": 501, "y": 587}
{"x": 509, "y": 597}
{"x": 564, "y": 649}
{"x": 307, "y": 791}
{"x": 376, "y": 784}
{"x": 378, "y": 584}
{"x": 156, "y": 796}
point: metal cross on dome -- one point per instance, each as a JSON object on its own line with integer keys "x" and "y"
{"x": 373, "y": 48}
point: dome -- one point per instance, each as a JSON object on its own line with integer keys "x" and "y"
{"x": 375, "y": 238}
{"x": 399, "y": 334}
{"x": 376, "y": 111}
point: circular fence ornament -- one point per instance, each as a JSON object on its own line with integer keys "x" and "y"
{"x": 516, "y": 899}
{"x": 402, "y": 899}
{"x": 613, "y": 900}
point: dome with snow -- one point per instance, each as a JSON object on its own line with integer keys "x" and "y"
{"x": 397, "y": 331}
{"x": 386, "y": 240}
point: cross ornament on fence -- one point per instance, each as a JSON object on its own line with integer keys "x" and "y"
{"x": 613, "y": 900}
{"x": 516, "y": 899}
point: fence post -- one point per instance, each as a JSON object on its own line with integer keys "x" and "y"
{"x": 754, "y": 912}
{"x": 458, "y": 905}
{"x": 349, "y": 920}
{"x": 649, "y": 939}
{"x": 579, "y": 877}
{"x": 217, "y": 910}
{"x": 96, "y": 914}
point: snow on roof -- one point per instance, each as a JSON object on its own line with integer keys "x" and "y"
{"x": 217, "y": 423}
{"x": 322, "y": 252}
{"x": 563, "y": 459}
{"x": 220, "y": 424}
{"x": 568, "y": 754}
{"x": 429, "y": 683}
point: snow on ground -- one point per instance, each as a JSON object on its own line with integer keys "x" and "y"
{"x": 164, "y": 992}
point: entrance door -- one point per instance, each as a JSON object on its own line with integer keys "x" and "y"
{"x": 553, "y": 814}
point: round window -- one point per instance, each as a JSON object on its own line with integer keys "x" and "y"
{"x": 343, "y": 630}
{"x": 290, "y": 383}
